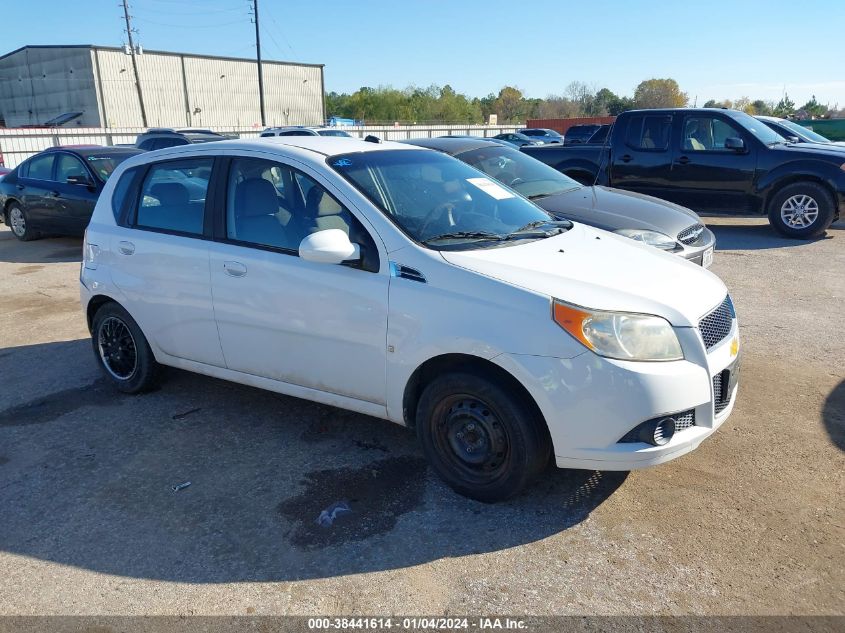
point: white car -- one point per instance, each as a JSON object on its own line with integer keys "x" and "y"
{"x": 402, "y": 283}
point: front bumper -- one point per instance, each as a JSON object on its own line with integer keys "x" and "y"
{"x": 695, "y": 252}
{"x": 590, "y": 402}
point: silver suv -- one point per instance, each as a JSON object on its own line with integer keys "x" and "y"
{"x": 299, "y": 130}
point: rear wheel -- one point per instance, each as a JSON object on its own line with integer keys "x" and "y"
{"x": 122, "y": 350}
{"x": 481, "y": 438}
{"x": 802, "y": 210}
{"x": 17, "y": 221}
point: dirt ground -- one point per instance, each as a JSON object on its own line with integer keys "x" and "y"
{"x": 753, "y": 522}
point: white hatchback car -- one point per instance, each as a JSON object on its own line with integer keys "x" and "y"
{"x": 401, "y": 283}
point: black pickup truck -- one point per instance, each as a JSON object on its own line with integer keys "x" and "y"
{"x": 712, "y": 160}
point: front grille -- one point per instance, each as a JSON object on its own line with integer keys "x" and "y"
{"x": 715, "y": 326}
{"x": 718, "y": 403}
{"x": 691, "y": 234}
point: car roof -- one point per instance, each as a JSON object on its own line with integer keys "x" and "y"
{"x": 86, "y": 151}
{"x": 453, "y": 145}
{"x": 771, "y": 119}
{"x": 538, "y": 129}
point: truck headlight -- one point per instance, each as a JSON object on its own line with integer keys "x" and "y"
{"x": 652, "y": 238}
{"x": 620, "y": 335}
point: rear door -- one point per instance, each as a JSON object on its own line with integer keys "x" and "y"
{"x": 642, "y": 158}
{"x": 36, "y": 188}
{"x": 160, "y": 261}
{"x": 75, "y": 202}
{"x": 706, "y": 176}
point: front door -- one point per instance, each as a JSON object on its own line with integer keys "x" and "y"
{"x": 160, "y": 261}
{"x": 707, "y": 175}
{"x": 75, "y": 201}
{"x": 319, "y": 326}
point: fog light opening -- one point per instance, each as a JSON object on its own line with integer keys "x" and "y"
{"x": 659, "y": 432}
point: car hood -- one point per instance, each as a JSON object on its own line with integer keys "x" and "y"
{"x": 814, "y": 150}
{"x": 596, "y": 269}
{"x": 613, "y": 209}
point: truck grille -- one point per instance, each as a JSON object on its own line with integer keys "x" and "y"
{"x": 719, "y": 403}
{"x": 716, "y": 325}
{"x": 691, "y": 234}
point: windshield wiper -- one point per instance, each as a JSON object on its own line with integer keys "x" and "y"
{"x": 538, "y": 196}
{"x": 457, "y": 235}
{"x": 529, "y": 229}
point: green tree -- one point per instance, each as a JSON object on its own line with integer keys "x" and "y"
{"x": 762, "y": 107}
{"x": 510, "y": 105}
{"x": 785, "y": 107}
{"x": 660, "y": 93}
{"x": 814, "y": 108}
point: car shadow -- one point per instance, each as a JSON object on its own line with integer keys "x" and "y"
{"x": 731, "y": 236}
{"x": 87, "y": 478}
{"x": 48, "y": 250}
{"x": 833, "y": 415}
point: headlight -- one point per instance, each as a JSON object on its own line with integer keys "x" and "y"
{"x": 652, "y": 238}
{"x": 620, "y": 335}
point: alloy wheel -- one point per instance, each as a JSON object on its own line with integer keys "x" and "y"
{"x": 18, "y": 221}
{"x": 799, "y": 211}
{"x": 117, "y": 348}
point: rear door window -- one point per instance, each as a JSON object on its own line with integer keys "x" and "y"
{"x": 173, "y": 196}
{"x": 41, "y": 167}
{"x": 649, "y": 132}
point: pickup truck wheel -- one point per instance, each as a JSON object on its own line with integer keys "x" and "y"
{"x": 480, "y": 437}
{"x": 122, "y": 350}
{"x": 802, "y": 210}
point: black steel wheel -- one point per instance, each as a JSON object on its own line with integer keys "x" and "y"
{"x": 481, "y": 437}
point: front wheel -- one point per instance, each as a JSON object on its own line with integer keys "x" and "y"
{"x": 480, "y": 437}
{"x": 122, "y": 350}
{"x": 17, "y": 221}
{"x": 802, "y": 210}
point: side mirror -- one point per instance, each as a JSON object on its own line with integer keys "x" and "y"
{"x": 734, "y": 143}
{"x": 80, "y": 180}
{"x": 331, "y": 246}
{"x": 793, "y": 139}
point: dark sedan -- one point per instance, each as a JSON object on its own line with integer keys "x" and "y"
{"x": 661, "y": 224}
{"x": 54, "y": 192}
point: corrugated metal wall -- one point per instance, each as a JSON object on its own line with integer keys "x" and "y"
{"x": 38, "y": 84}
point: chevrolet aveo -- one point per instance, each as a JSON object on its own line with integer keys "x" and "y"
{"x": 402, "y": 283}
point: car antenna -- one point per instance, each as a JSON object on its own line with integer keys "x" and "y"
{"x": 601, "y": 162}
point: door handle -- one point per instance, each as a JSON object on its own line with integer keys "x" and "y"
{"x": 127, "y": 248}
{"x": 683, "y": 160}
{"x": 55, "y": 194}
{"x": 626, "y": 158}
{"x": 234, "y": 269}
{"x": 21, "y": 187}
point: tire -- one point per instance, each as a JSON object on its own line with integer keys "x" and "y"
{"x": 484, "y": 441}
{"x": 19, "y": 223}
{"x": 802, "y": 210}
{"x": 122, "y": 350}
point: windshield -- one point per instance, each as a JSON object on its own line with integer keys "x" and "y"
{"x": 527, "y": 176}
{"x": 763, "y": 132}
{"x": 804, "y": 132}
{"x": 438, "y": 200}
{"x": 103, "y": 166}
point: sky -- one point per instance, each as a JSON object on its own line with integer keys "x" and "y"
{"x": 720, "y": 49}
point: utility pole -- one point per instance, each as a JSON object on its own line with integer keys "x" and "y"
{"x": 134, "y": 61}
{"x": 258, "y": 58}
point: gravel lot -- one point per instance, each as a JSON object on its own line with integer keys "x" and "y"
{"x": 753, "y": 522}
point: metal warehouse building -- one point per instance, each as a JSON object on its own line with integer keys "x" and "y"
{"x": 38, "y": 83}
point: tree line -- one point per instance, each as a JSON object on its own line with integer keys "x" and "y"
{"x": 437, "y": 104}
